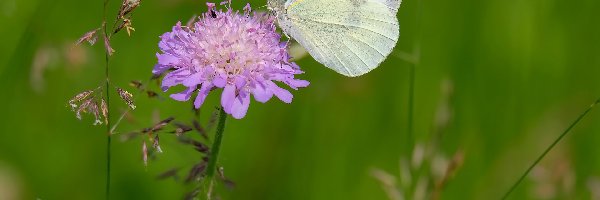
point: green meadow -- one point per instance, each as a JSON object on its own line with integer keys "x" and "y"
{"x": 493, "y": 83}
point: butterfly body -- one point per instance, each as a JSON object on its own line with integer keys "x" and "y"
{"x": 351, "y": 37}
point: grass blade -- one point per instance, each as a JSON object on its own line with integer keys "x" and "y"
{"x": 581, "y": 116}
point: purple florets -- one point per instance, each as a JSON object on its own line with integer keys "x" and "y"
{"x": 224, "y": 49}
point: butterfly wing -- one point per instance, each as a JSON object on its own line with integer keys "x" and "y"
{"x": 351, "y": 37}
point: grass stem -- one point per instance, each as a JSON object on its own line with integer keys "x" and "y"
{"x": 107, "y": 92}
{"x": 514, "y": 186}
{"x": 411, "y": 97}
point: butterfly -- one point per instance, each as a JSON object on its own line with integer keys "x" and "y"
{"x": 351, "y": 37}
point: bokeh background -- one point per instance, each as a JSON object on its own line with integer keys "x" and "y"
{"x": 496, "y": 81}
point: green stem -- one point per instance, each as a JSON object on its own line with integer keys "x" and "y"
{"x": 107, "y": 92}
{"x": 214, "y": 151}
{"x": 108, "y": 130}
{"x": 411, "y": 94}
{"x": 514, "y": 186}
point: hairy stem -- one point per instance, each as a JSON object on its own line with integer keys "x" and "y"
{"x": 514, "y": 186}
{"x": 214, "y": 151}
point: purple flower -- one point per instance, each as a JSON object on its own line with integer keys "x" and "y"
{"x": 240, "y": 53}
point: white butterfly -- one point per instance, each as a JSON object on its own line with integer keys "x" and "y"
{"x": 351, "y": 37}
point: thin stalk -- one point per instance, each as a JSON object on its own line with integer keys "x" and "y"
{"x": 122, "y": 116}
{"x": 514, "y": 186}
{"x": 415, "y": 61}
{"x": 411, "y": 96}
{"x": 214, "y": 151}
{"x": 107, "y": 92}
{"x": 108, "y": 130}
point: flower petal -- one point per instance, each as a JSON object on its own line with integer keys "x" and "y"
{"x": 261, "y": 94}
{"x": 185, "y": 95}
{"x": 193, "y": 80}
{"x": 166, "y": 59}
{"x": 204, "y": 90}
{"x": 240, "y": 106}
{"x": 219, "y": 81}
{"x": 159, "y": 69}
{"x": 240, "y": 82}
{"x": 174, "y": 78}
{"x": 281, "y": 93}
{"x": 295, "y": 83}
{"x": 228, "y": 97}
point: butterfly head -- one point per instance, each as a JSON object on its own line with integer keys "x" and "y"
{"x": 276, "y": 6}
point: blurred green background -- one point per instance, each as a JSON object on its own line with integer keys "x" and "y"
{"x": 516, "y": 73}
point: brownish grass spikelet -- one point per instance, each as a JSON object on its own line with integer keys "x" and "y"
{"x": 88, "y": 102}
{"x": 95, "y": 109}
{"x": 169, "y": 173}
{"x": 145, "y": 153}
{"x": 192, "y": 195}
{"x": 155, "y": 76}
{"x": 104, "y": 109}
{"x": 107, "y": 46}
{"x": 228, "y": 183}
{"x": 136, "y": 84}
{"x": 196, "y": 172}
{"x": 127, "y": 97}
{"x": 81, "y": 96}
{"x": 151, "y": 94}
{"x": 83, "y": 108}
{"x": 199, "y": 146}
{"x": 156, "y": 144}
{"x": 129, "y": 136}
{"x": 127, "y": 7}
{"x": 181, "y": 129}
{"x": 199, "y": 128}
{"x": 124, "y": 16}
{"x": 159, "y": 126}
{"x": 451, "y": 169}
{"x": 213, "y": 119}
{"x": 125, "y": 23}
{"x": 90, "y": 37}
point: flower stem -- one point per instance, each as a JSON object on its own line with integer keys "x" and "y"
{"x": 214, "y": 151}
{"x": 514, "y": 186}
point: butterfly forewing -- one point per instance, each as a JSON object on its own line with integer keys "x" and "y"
{"x": 351, "y": 37}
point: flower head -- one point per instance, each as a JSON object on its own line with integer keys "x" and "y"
{"x": 240, "y": 53}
